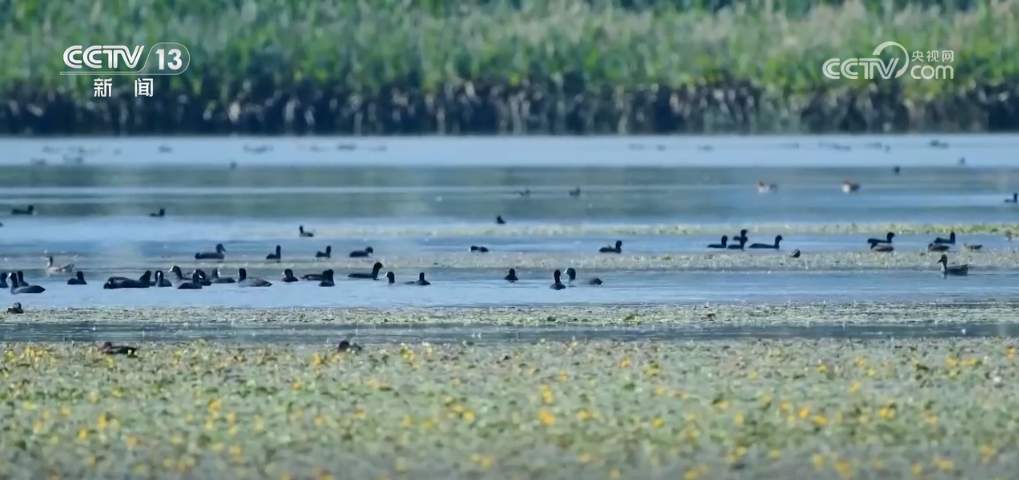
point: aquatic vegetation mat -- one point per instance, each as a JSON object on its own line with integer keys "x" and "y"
{"x": 807, "y": 409}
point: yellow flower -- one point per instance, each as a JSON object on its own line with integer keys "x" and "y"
{"x": 785, "y": 406}
{"x": 843, "y": 468}
{"x": 986, "y": 453}
{"x": 547, "y": 397}
{"x": 468, "y": 416}
{"x": 818, "y": 460}
{"x": 820, "y": 421}
{"x": 484, "y": 462}
{"x": 141, "y": 470}
{"x": 317, "y": 360}
{"x": 737, "y": 454}
{"x": 691, "y": 433}
{"x": 657, "y": 422}
{"x": 407, "y": 354}
{"x": 804, "y": 413}
{"x": 583, "y": 415}
{"x": 695, "y": 472}
{"x": 854, "y": 387}
{"x": 83, "y": 434}
{"x": 546, "y": 417}
{"x": 944, "y": 464}
{"x": 237, "y": 453}
{"x": 887, "y": 412}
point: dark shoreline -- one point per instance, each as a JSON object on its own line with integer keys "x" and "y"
{"x": 482, "y": 333}
{"x": 495, "y": 108}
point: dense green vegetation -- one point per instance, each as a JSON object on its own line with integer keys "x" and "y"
{"x": 762, "y": 52}
{"x": 902, "y": 408}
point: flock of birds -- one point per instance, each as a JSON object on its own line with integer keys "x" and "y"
{"x": 108, "y": 348}
{"x": 881, "y": 245}
{"x": 198, "y": 278}
{"x": 940, "y": 244}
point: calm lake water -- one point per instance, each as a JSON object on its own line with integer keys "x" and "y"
{"x": 434, "y": 195}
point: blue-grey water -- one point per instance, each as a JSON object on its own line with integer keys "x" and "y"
{"x": 427, "y": 196}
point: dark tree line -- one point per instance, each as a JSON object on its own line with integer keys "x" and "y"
{"x": 567, "y": 107}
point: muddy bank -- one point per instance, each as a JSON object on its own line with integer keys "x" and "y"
{"x": 349, "y": 320}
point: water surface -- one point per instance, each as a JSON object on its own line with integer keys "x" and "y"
{"x": 430, "y": 196}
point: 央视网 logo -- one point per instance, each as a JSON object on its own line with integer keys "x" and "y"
{"x": 891, "y": 60}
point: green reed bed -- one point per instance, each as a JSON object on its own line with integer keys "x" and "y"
{"x": 364, "y": 45}
{"x": 512, "y": 67}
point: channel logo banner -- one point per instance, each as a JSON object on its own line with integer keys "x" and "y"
{"x": 163, "y": 58}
